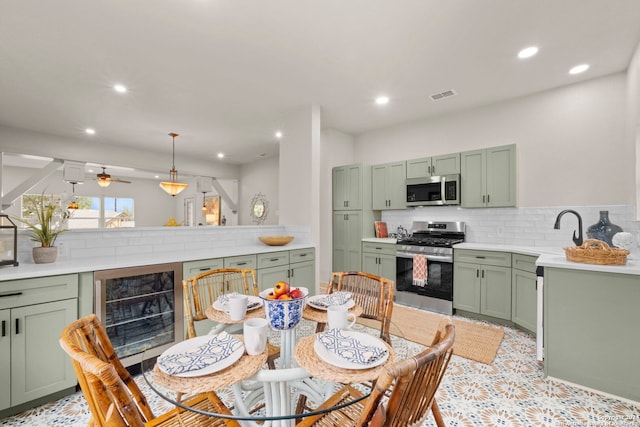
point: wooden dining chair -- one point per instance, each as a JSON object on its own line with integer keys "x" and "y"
{"x": 373, "y": 293}
{"x": 410, "y": 385}
{"x": 112, "y": 394}
{"x": 202, "y": 290}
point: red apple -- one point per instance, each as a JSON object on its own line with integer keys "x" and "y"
{"x": 296, "y": 293}
{"x": 281, "y": 288}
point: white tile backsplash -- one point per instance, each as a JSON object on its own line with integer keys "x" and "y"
{"x": 530, "y": 226}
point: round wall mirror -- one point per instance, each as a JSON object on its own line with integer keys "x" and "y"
{"x": 259, "y": 208}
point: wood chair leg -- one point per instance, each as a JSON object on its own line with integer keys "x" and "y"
{"x": 435, "y": 410}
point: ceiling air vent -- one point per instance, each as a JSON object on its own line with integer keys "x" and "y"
{"x": 442, "y": 95}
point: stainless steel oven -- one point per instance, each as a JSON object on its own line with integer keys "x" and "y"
{"x": 434, "y": 241}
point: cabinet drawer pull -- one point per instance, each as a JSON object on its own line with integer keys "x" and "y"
{"x": 274, "y": 259}
{"x": 477, "y": 273}
{"x": 483, "y": 198}
{"x": 4, "y": 328}
{"x": 303, "y": 255}
{"x": 480, "y": 257}
{"x": 241, "y": 263}
{"x": 483, "y": 274}
{"x": 292, "y": 272}
{"x": 488, "y": 198}
{"x": 14, "y": 294}
{"x": 17, "y": 326}
{"x": 204, "y": 269}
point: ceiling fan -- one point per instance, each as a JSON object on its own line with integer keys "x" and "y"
{"x": 104, "y": 179}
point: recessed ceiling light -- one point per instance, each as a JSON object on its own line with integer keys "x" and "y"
{"x": 220, "y": 155}
{"x": 90, "y": 131}
{"x": 528, "y": 52}
{"x": 278, "y": 134}
{"x": 579, "y": 69}
{"x": 382, "y": 100}
{"x": 120, "y": 88}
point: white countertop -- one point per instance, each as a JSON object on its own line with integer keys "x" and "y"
{"x": 388, "y": 240}
{"x": 554, "y": 257}
{"x": 66, "y": 266}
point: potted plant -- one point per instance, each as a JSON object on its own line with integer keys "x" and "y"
{"x": 47, "y": 225}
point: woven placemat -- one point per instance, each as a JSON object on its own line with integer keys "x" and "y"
{"x": 474, "y": 340}
{"x": 306, "y": 357}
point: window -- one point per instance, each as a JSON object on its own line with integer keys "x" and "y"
{"x": 92, "y": 212}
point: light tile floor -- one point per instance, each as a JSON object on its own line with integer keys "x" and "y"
{"x": 511, "y": 392}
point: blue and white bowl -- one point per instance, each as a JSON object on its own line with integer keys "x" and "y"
{"x": 284, "y": 314}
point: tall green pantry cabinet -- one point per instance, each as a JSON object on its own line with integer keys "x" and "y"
{"x": 353, "y": 217}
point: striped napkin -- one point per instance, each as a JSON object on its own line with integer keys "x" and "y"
{"x": 336, "y": 298}
{"x": 420, "y": 270}
{"x": 349, "y": 348}
{"x": 214, "y": 350}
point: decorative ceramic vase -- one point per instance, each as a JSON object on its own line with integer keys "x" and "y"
{"x": 603, "y": 229}
{"x": 45, "y": 255}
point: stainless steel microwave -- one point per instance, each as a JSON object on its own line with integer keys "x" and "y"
{"x": 434, "y": 190}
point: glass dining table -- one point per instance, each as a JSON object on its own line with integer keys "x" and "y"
{"x": 268, "y": 397}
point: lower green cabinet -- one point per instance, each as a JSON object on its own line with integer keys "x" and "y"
{"x": 524, "y": 294}
{"x": 483, "y": 286}
{"x": 297, "y": 267}
{"x": 379, "y": 259}
{"x": 33, "y": 313}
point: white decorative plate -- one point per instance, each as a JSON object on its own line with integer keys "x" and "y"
{"x": 253, "y": 303}
{"x": 311, "y": 302}
{"x": 365, "y": 339}
{"x": 193, "y": 343}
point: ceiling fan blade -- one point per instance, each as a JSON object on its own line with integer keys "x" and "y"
{"x": 120, "y": 180}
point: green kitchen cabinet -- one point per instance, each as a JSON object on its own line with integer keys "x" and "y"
{"x": 388, "y": 189}
{"x": 303, "y": 269}
{"x": 193, "y": 268}
{"x": 488, "y": 177}
{"x": 347, "y": 238}
{"x": 297, "y": 267}
{"x": 33, "y": 313}
{"x": 432, "y": 166}
{"x": 241, "y": 261}
{"x": 379, "y": 259}
{"x": 347, "y": 188}
{"x": 482, "y": 282}
{"x": 273, "y": 267}
{"x": 591, "y": 321}
{"x": 524, "y": 295}
{"x": 351, "y": 225}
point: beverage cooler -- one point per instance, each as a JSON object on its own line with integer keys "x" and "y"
{"x": 141, "y": 309}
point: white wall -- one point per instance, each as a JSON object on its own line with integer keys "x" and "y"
{"x": 572, "y": 144}
{"x": 260, "y": 176}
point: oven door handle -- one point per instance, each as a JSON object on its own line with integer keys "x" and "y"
{"x": 438, "y": 258}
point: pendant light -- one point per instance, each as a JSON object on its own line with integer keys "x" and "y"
{"x": 172, "y": 186}
{"x": 73, "y": 205}
{"x": 204, "y": 203}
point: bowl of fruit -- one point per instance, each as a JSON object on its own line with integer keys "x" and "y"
{"x": 283, "y": 305}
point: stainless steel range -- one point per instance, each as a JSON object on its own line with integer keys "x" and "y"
{"x": 435, "y": 241}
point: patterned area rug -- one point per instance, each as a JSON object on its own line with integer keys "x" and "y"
{"x": 511, "y": 392}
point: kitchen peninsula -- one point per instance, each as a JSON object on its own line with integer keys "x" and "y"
{"x": 41, "y": 299}
{"x": 591, "y": 319}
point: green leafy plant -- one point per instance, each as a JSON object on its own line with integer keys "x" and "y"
{"x": 47, "y": 222}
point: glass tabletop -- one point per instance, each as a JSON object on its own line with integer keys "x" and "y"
{"x": 272, "y": 395}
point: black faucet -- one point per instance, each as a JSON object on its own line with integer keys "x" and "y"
{"x": 576, "y": 239}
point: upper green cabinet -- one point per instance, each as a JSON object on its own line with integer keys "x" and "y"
{"x": 388, "y": 186}
{"x": 347, "y": 187}
{"x": 489, "y": 177}
{"x": 432, "y": 166}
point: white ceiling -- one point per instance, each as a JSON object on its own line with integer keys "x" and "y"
{"x": 221, "y": 72}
